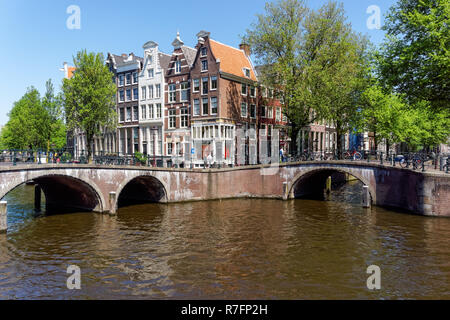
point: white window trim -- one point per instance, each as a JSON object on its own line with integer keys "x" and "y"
{"x": 207, "y": 64}
{"x": 193, "y": 85}
{"x": 246, "y": 89}
{"x": 210, "y": 106}
{"x": 210, "y": 84}
{"x": 246, "y": 110}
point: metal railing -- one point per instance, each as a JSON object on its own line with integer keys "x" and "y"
{"x": 419, "y": 161}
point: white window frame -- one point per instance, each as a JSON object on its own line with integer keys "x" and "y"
{"x": 211, "y": 106}
{"x": 172, "y": 117}
{"x": 211, "y": 82}
{"x": 246, "y": 110}
{"x": 193, "y": 85}
{"x": 207, "y": 67}
{"x": 246, "y": 89}
{"x": 172, "y": 93}
{"x": 199, "y": 108}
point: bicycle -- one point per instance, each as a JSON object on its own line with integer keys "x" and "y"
{"x": 352, "y": 155}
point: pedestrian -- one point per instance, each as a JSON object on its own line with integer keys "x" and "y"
{"x": 281, "y": 155}
{"x": 210, "y": 159}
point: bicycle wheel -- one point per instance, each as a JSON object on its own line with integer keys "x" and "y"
{"x": 403, "y": 163}
{"x": 357, "y": 156}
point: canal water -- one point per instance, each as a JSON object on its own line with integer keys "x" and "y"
{"x": 234, "y": 249}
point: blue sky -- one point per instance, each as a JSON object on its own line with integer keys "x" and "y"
{"x": 35, "y": 40}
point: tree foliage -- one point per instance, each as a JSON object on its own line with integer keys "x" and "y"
{"x": 415, "y": 58}
{"x": 89, "y": 96}
{"x": 391, "y": 119}
{"x": 313, "y": 59}
{"x": 31, "y": 123}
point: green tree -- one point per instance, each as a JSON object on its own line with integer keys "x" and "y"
{"x": 27, "y": 121}
{"x": 55, "y": 130}
{"x": 89, "y": 97}
{"x": 391, "y": 119}
{"x": 415, "y": 58}
{"x": 313, "y": 59}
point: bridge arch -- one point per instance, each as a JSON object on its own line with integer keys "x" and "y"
{"x": 318, "y": 176}
{"x": 65, "y": 192}
{"x": 142, "y": 188}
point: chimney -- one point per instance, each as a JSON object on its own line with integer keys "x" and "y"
{"x": 246, "y": 48}
{"x": 124, "y": 55}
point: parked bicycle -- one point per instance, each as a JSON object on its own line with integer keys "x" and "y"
{"x": 352, "y": 155}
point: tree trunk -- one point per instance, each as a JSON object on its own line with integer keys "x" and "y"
{"x": 294, "y": 136}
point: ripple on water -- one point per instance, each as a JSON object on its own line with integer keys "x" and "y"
{"x": 235, "y": 249}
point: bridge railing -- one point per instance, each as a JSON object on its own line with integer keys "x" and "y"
{"x": 419, "y": 161}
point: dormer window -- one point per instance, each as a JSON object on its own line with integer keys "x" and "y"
{"x": 247, "y": 72}
{"x": 204, "y": 52}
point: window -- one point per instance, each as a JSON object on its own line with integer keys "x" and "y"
{"x": 270, "y": 93}
{"x": 177, "y": 66}
{"x": 270, "y": 112}
{"x": 204, "y": 65}
{"x": 252, "y": 111}
{"x": 172, "y": 93}
{"x": 214, "y": 83}
{"x": 184, "y": 117}
{"x": 135, "y": 94}
{"x": 252, "y": 91}
{"x": 214, "y": 105}
{"x": 129, "y": 78}
{"x": 244, "y": 89}
{"x": 121, "y": 95}
{"x": 128, "y": 94}
{"x": 128, "y": 113}
{"x": 169, "y": 148}
{"x": 264, "y": 92}
{"x": 158, "y": 111}
{"x": 263, "y": 111}
{"x": 204, "y": 51}
{"x": 151, "y": 114}
{"x": 121, "y": 80}
{"x": 243, "y": 110}
{"x": 158, "y": 91}
{"x": 205, "y": 104}
{"x": 144, "y": 93}
{"x": 121, "y": 115}
{"x": 135, "y": 113}
{"x": 205, "y": 85}
{"x": 172, "y": 118}
{"x": 144, "y": 112}
{"x": 196, "y": 107}
{"x": 278, "y": 115}
{"x": 150, "y": 59}
{"x": 135, "y": 77}
{"x": 150, "y": 92}
{"x": 151, "y": 73}
{"x": 196, "y": 85}
{"x": 247, "y": 72}
{"x": 184, "y": 91}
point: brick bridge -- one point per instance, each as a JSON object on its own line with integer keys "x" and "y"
{"x": 105, "y": 188}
